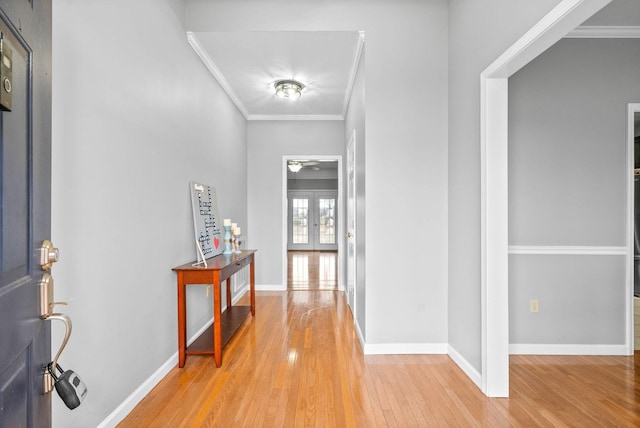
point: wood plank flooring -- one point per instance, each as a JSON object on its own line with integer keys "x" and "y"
{"x": 299, "y": 363}
{"x": 312, "y": 270}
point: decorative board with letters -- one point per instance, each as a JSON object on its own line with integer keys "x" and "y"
{"x": 209, "y": 236}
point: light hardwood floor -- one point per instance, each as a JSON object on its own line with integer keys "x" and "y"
{"x": 299, "y": 363}
{"x": 312, "y": 270}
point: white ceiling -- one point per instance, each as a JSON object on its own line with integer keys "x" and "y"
{"x": 247, "y": 64}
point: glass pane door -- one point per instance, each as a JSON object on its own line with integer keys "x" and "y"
{"x": 327, "y": 208}
{"x": 300, "y": 218}
{"x": 312, "y": 220}
{"x": 327, "y": 220}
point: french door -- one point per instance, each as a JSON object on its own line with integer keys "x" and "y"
{"x": 312, "y": 220}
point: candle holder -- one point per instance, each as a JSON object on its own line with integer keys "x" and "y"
{"x": 227, "y": 240}
{"x": 236, "y": 242}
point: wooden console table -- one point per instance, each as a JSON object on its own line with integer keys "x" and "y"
{"x": 219, "y": 268}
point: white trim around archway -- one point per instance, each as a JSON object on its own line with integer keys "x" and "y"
{"x": 494, "y": 85}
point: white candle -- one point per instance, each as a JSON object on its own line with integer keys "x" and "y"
{"x": 227, "y": 222}
{"x": 234, "y": 225}
{"x": 236, "y": 231}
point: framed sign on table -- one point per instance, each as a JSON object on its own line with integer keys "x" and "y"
{"x": 208, "y": 233}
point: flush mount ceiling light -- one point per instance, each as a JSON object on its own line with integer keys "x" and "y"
{"x": 288, "y": 89}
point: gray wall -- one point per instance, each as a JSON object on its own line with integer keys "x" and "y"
{"x": 136, "y": 117}
{"x": 406, "y": 155}
{"x": 567, "y": 187}
{"x": 268, "y": 142}
{"x": 478, "y": 33}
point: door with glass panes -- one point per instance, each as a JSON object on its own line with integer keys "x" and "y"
{"x": 312, "y": 220}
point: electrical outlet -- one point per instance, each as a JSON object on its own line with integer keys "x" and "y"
{"x": 533, "y": 305}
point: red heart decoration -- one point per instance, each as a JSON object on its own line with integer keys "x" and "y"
{"x": 216, "y": 242}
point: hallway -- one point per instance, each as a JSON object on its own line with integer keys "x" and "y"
{"x": 299, "y": 363}
{"x": 312, "y": 270}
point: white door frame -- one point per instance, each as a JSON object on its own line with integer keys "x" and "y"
{"x": 351, "y": 265}
{"x": 632, "y": 109}
{"x": 339, "y": 208}
{"x": 494, "y": 90}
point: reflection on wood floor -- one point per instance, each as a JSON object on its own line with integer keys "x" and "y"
{"x": 312, "y": 270}
{"x": 299, "y": 363}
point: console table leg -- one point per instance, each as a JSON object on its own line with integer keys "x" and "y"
{"x": 217, "y": 323}
{"x": 182, "y": 320}
{"x": 252, "y": 287}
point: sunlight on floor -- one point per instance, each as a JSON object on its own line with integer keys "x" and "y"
{"x": 312, "y": 270}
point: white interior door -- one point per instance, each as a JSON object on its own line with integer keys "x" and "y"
{"x": 351, "y": 223}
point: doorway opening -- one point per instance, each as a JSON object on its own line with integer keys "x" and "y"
{"x": 313, "y": 226}
{"x": 633, "y": 210}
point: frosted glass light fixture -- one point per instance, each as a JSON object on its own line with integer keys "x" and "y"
{"x": 294, "y": 166}
{"x": 288, "y": 89}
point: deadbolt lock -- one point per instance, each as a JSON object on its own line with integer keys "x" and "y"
{"x": 48, "y": 255}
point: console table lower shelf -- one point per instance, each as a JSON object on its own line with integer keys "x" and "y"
{"x": 231, "y": 320}
{"x": 217, "y": 270}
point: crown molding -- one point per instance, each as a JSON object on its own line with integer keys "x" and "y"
{"x": 295, "y": 117}
{"x": 354, "y": 72}
{"x": 215, "y": 71}
{"x": 602, "y": 32}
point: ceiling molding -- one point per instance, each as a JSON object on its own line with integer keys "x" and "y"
{"x": 602, "y": 32}
{"x": 354, "y": 72}
{"x": 295, "y": 117}
{"x": 215, "y": 71}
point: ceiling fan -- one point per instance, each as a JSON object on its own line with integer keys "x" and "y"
{"x": 297, "y": 165}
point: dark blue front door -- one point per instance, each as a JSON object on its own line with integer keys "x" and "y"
{"x": 25, "y": 158}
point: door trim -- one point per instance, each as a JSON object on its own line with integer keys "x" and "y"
{"x": 339, "y": 208}
{"x": 494, "y": 197}
{"x": 351, "y": 162}
{"x": 632, "y": 109}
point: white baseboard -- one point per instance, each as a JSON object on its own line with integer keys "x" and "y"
{"x": 239, "y": 294}
{"x": 145, "y": 388}
{"x": 132, "y": 400}
{"x": 553, "y": 349}
{"x": 268, "y": 287}
{"x": 466, "y": 367}
{"x": 404, "y": 348}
